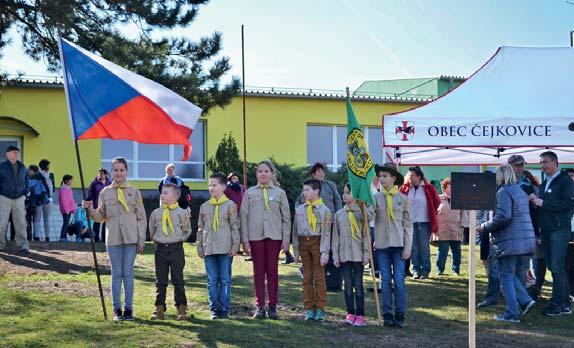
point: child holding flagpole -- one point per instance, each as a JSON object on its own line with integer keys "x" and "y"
{"x": 121, "y": 208}
{"x": 217, "y": 243}
{"x": 312, "y": 241}
{"x": 350, "y": 247}
{"x": 265, "y": 230}
{"x": 393, "y": 241}
{"x": 169, "y": 227}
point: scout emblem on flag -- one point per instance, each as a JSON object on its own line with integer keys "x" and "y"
{"x": 358, "y": 158}
{"x": 405, "y": 130}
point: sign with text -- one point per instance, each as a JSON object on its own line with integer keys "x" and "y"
{"x": 473, "y": 191}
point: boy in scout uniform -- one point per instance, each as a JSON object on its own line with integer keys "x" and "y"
{"x": 169, "y": 227}
{"x": 312, "y": 240}
{"x": 217, "y": 242}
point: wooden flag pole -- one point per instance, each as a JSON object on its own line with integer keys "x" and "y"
{"x": 89, "y": 228}
{"x": 368, "y": 234}
{"x": 472, "y": 281}
{"x": 244, "y": 119}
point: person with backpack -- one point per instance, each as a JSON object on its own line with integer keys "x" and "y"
{"x": 184, "y": 200}
{"x": 37, "y": 197}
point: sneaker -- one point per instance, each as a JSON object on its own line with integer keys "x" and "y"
{"x": 440, "y": 273}
{"x": 288, "y": 259}
{"x": 350, "y": 319}
{"x": 507, "y": 318}
{"x": 223, "y": 314}
{"x": 552, "y": 310}
{"x": 24, "y": 252}
{"x": 486, "y": 304}
{"x": 272, "y": 312}
{"x": 566, "y": 310}
{"x": 214, "y": 315}
{"x": 360, "y": 321}
{"x": 400, "y": 319}
{"x": 416, "y": 275}
{"x": 310, "y": 315}
{"x": 319, "y": 315}
{"x": 527, "y": 307}
{"x": 118, "y": 316}
{"x": 388, "y": 320}
{"x": 259, "y": 313}
{"x": 457, "y": 274}
{"x": 128, "y": 314}
{"x": 36, "y": 239}
{"x": 424, "y": 276}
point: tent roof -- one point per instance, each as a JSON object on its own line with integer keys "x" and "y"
{"x": 521, "y": 98}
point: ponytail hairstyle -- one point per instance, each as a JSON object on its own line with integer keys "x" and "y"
{"x": 66, "y": 178}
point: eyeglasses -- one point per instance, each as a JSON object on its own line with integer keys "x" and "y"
{"x": 518, "y": 164}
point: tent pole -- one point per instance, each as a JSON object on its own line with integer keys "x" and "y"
{"x": 244, "y": 120}
{"x": 472, "y": 281}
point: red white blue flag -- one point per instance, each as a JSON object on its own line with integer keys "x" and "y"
{"x": 108, "y": 101}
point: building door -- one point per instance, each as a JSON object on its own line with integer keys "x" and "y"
{"x": 7, "y": 141}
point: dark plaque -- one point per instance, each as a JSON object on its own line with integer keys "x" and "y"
{"x": 473, "y": 191}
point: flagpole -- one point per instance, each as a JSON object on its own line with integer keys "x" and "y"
{"x": 369, "y": 242}
{"x": 244, "y": 118}
{"x": 78, "y": 158}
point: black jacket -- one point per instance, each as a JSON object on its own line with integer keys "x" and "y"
{"x": 8, "y": 187}
{"x": 558, "y": 204}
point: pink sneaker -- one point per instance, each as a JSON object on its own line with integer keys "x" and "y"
{"x": 350, "y": 319}
{"x": 360, "y": 321}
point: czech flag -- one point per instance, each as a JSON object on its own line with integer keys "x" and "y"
{"x": 108, "y": 101}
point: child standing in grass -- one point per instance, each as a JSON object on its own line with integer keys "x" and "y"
{"x": 351, "y": 252}
{"x": 67, "y": 205}
{"x": 217, "y": 243}
{"x": 393, "y": 241}
{"x": 312, "y": 241}
{"x": 169, "y": 227}
{"x": 120, "y": 206}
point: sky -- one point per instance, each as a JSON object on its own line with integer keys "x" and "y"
{"x": 331, "y": 44}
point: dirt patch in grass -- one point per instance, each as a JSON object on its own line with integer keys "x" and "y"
{"x": 45, "y": 258}
{"x": 51, "y": 287}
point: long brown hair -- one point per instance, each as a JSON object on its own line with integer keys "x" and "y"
{"x": 533, "y": 180}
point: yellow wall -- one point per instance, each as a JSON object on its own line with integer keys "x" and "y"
{"x": 276, "y": 127}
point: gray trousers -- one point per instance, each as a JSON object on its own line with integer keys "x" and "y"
{"x": 16, "y": 208}
{"x": 43, "y": 213}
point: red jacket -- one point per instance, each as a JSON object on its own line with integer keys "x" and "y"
{"x": 433, "y": 201}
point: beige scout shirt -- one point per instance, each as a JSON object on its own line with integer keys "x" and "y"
{"x": 226, "y": 238}
{"x": 451, "y": 223}
{"x": 258, "y": 223}
{"x": 396, "y": 233}
{"x": 121, "y": 227}
{"x": 346, "y": 248}
{"x": 301, "y": 228}
{"x": 181, "y": 226}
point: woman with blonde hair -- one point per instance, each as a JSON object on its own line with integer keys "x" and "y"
{"x": 513, "y": 242}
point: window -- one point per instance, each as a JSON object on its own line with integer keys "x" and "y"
{"x": 148, "y": 161}
{"x": 328, "y": 144}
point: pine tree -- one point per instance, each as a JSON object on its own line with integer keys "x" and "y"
{"x": 226, "y": 158}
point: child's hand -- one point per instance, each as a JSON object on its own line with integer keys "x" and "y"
{"x": 366, "y": 262}
{"x": 232, "y": 253}
{"x": 406, "y": 254}
{"x": 247, "y": 249}
{"x": 200, "y": 254}
{"x": 87, "y": 204}
{"x": 140, "y": 248}
{"x": 285, "y": 246}
{"x": 324, "y": 260}
{"x": 337, "y": 263}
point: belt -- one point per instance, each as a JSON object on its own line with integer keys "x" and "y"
{"x": 309, "y": 237}
{"x": 169, "y": 245}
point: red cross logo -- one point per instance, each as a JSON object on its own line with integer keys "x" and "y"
{"x": 405, "y": 130}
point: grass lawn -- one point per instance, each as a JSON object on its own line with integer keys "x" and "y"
{"x": 50, "y": 299}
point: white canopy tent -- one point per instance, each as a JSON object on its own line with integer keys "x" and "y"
{"x": 521, "y": 101}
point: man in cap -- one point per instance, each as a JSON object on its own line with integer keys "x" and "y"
{"x": 13, "y": 189}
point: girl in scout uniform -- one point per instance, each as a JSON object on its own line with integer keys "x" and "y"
{"x": 265, "y": 230}
{"x": 121, "y": 208}
{"x": 217, "y": 243}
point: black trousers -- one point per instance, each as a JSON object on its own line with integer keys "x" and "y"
{"x": 97, "y": 227}
{"x": 169, "y": 258}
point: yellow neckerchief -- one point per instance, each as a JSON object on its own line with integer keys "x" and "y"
{"x": 265, "y": 189}
{"x": 217, "y": 203}
{"x": 355, "y": 230}
{"x": 166, "y": 218}
{"x": 121, "y": 198}
{"x": 389, "y": 195}
{"x": 311, "y": 218}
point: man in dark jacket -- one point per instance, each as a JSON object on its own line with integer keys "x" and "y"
{"x": 13, "y": 189}
{"x": 555, "y": 207}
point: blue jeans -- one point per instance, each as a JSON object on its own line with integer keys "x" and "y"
{"x": 515, "y": 294}
{"x": 122, "y": 259}
{"x": 392, "y": 266}
{"x": 218, "y": 268}
{"x": 353, "y": 277}
{"x": 420, "y": 253}
{"x": 443, "y": 246}
{"x": 555, "y": 247}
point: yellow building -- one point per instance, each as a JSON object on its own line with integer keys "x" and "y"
{"x": 291, "y": 126}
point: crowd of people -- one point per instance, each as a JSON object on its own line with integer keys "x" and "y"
{"x": 530, "y": 230}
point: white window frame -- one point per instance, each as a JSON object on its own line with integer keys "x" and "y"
{"x": 18, "y": 141}
{"x": 134, "y": 162}
{"x": 335, "y": 164}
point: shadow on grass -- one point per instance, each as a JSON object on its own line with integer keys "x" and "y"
{"x": 38, "y": 261}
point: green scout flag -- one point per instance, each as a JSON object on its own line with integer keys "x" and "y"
{"x": 360, "y": 168}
